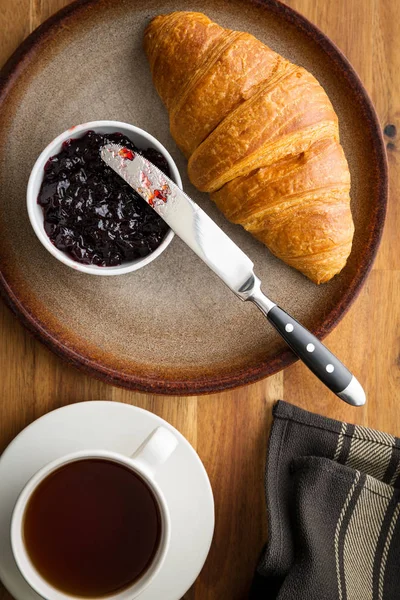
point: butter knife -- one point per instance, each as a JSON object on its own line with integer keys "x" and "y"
{"x": 231, "y": 265}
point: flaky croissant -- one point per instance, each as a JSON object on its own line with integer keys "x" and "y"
{"x": 261, "y": 136}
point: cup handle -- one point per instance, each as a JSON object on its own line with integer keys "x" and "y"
{"x": 155, "y": 450}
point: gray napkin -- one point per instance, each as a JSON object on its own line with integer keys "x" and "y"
{"x": 333, "y": 499}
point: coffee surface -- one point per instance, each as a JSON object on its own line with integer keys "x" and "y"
{"x": 92, "y": 527}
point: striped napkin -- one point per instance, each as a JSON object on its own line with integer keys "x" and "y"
{"x": 333, "y": 498}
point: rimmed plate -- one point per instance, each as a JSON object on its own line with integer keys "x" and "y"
{"x": 172, "y": 327}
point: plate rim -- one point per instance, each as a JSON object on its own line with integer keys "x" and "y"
{"x": 282, "y": 359}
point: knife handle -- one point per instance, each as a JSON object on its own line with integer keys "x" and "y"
{"x": 313, "y": 353}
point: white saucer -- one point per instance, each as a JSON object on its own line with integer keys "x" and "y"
{"x": 122, "y": 428}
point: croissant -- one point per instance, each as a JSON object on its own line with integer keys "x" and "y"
{"x": 261, "y": 137}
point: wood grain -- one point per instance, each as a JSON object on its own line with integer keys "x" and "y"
{"x": 230, "y": 430}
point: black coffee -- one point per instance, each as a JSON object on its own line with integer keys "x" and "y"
{"x": 92, "y": 528}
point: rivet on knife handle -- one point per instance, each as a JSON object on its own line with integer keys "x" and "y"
{"x": 312, "y": 352}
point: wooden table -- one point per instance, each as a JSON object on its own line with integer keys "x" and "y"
{"x": 230, "y": 430}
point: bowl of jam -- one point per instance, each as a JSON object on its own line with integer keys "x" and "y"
{"x": 87, "y": 216}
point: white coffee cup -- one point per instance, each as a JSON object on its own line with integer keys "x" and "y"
{"x": 145, "y": 462}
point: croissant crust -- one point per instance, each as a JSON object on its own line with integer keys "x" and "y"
{"x": 261, "y": 137}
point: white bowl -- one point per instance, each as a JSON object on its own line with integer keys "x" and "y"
{"x": 141, "y": 139}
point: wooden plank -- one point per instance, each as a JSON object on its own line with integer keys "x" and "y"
{"x": 232, "y": 442}
{"x": 40, "y": 10}
{"x": 14, "y": 26}
{"x": 366, "y": 32}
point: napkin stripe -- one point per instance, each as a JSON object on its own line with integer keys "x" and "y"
{"x": 372, "y": 435}
{"x": 362, "y": 536}
{"x": 396, "y": 471}
{"x": 361, "y": 539}
{"x": 386, "y": 548}
{"x": 390, "y": 475}
{"x": 369, "y": 457}
{"x": 346, "y": 444}
{"x": 340, "y": 532}
{"x": 340, "y": 441}
{"x": 371, "y": 452}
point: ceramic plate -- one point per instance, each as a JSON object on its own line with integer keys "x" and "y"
{"x": 171, "y": 327}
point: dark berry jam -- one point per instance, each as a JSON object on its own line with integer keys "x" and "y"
{"x": 90, "y": 212}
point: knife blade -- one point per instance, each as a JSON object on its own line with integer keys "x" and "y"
{"x": 229, "y": 262}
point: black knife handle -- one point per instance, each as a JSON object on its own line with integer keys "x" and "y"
{"x": 308, "y": 348}
{"x": 311, "y": 351}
